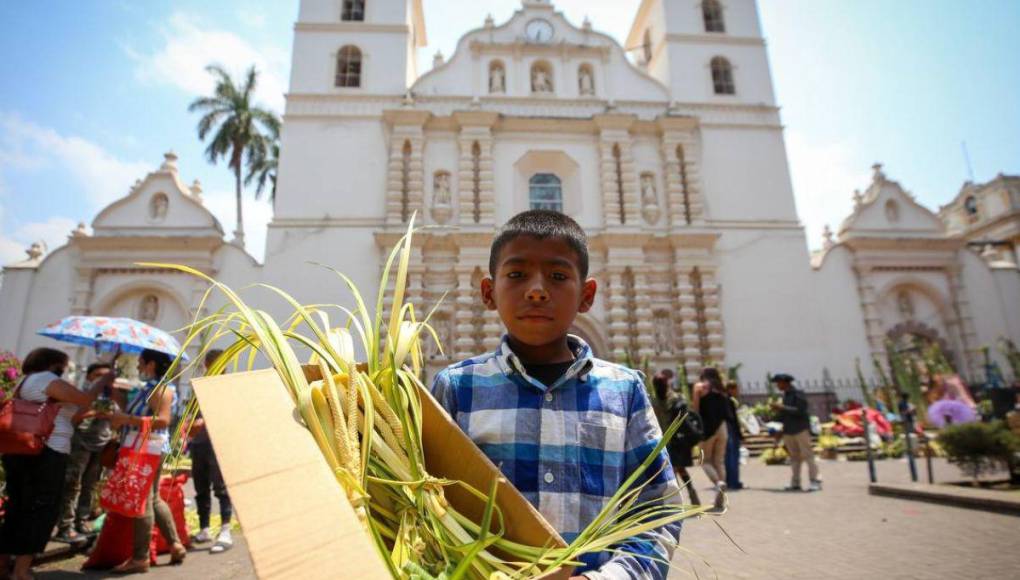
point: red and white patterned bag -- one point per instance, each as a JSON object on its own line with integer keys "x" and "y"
{"x": 130, "y": 484}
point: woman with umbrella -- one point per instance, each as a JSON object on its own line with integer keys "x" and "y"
{"x": 153, "y": 400}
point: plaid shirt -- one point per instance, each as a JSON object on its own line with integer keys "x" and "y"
{"x": 567, "y": 447}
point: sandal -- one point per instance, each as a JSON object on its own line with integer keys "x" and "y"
{"x": 132, "y": 567}
{"x": 177, "y": 554}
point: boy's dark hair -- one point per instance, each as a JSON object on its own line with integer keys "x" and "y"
{"x": 43, "y": 359}
{"x": 542, "y": 224}
{"x": 211, "y": 356}
{"x": 97, "y": 366}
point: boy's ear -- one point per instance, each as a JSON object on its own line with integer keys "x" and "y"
{"x": 488, "y": 294}
{"x": 588, "y": 291}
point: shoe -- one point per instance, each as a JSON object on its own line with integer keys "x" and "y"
{"x": 132, "y": 567}
{"x": 720, "y": 501}
{"x": 84, "y": 527}
{"x": 69, "y": 536}
{"x": 223, "y": 542}
{"x": 815, "y": 486}
{"x": 177, "y": 554}
{"x": 792, "y": 488}
{"x": 203, "y": 536}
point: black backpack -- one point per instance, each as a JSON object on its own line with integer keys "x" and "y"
{"x": 692, "y": 430}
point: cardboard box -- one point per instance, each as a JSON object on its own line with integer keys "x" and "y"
{"x": 296, "y": 518}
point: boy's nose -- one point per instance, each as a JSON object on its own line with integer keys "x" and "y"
{"x": 537, "y": 294}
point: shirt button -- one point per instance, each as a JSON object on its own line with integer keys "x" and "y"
{"x": 549, "y": 477}
{"x": 548, "y": 397}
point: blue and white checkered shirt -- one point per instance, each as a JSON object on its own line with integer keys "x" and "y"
{"x": 567, "y": 447}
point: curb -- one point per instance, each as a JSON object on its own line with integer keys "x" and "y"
{"x": 975, "y": 499}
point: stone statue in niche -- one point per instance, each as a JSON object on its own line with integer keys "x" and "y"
{"x": 442, "y": 198}
{"x": 540, "y": 81}
{"x": 586, "y": 82}
{"x": 905, "y": 305}
{"x": 892, "y": 211}
{"x": 663, "y": 332}
{"x": 497, "y": 80}
{"x": 158, "y": 207}
{"x": 148, "y": 310}
{"x": 649, "y": 199}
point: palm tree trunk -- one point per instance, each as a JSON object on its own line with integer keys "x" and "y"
{"x": 239, "y": 231}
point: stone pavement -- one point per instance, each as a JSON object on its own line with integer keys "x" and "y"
{"x": 839, "y": 533}
{"x": 844, "y": 533}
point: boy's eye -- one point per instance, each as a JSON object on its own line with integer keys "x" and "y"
{"x": 559, "y": 276}
{"x": 515, "y": 274}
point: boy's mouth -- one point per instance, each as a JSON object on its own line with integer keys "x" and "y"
{"x": 535, "y": 316}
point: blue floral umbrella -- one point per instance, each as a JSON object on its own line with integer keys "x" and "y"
{"x": 110, "y": 334}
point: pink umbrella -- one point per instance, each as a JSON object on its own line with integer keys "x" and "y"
{"x": 946, "y": 411}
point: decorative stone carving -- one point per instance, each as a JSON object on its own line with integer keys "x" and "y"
{"x": 148, "y": 309}
{"x": 905, "y": 305}
{"x": 828, "y": 237}
{"x": 497, "y": 79}
{"x": 158, "y": 206}
{"x": 442, "y": 198}
{"x": 80, "y": 232}
{"x": 892, "y": 211}
{"x": 649, "y": 198}
{"x": 36, "y": 251}
{"x": 664, "y": 343}
{"x": 858, "y": 199}
{"x": 586, "y": 81}
{"x": 541, "y": 82}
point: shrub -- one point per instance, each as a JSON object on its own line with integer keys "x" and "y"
{"x": 979, "y": 447}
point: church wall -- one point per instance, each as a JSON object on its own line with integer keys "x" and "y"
{"x": 691, "y": 74}
{"x": 48, "y": 300}
{"x": 994, "y": 297}
{"x": 769, "y": 316}
{"x": 841, "y": 319}
{"x": 383, "y": 55}
{"x": 745, "y": 175}
{"x": 15, "y": 295}
{"x": 332, "y": 168}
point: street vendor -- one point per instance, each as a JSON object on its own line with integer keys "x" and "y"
{"x": 793, "y": 413}
{"x": 567, "y": 429}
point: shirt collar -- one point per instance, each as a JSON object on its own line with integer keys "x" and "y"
{"x": 510, "y": 364}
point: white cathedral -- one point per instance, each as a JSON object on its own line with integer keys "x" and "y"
{"x": 671, "y": 157}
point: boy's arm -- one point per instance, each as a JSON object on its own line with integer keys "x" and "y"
{"x": 632, "y": 560}
{"x": 442, "y": 390}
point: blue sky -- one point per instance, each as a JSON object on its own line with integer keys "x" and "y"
{"x": 93, "y": 92}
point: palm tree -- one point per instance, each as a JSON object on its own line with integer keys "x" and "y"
{"x": 237, "y": 125}
{"x": 262, "y": 164}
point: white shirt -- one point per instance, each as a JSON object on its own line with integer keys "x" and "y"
{"x": 34, "y": 389}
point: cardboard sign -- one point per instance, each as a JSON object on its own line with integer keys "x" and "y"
{"x": 295, "y": 516}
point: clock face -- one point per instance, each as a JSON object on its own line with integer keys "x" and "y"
{"x": 539, "y": 31}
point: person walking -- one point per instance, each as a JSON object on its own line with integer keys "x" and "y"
{"x": 793, "y": 413}
{"x": 83, "y": 467}
{"x": 715, "y": 409}
{"x": 155, "y": 401}
{"x": 668, "y": 406}
{"x": 34, "y": 482}
{"x": 207, "y": 477}
{"x": 734, "y": 438}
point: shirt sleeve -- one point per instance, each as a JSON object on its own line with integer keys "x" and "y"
{"x": 442, "y": 390}
{"x": 646, "y": 555}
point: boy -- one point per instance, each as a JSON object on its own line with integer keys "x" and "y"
{"x": 566, "y": 429}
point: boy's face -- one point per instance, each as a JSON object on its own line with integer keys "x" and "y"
{"x": 538, "y": 290}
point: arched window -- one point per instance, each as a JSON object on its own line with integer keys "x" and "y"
{"x": 722, "y": 76}
{"x": 348, "y": 67}
{"x": 497, "y": 77}
{"x": 646, "y": 46}
{"x": 353, "y": 10}
{"x": 711, "y": 10}
{"x": 970, "y": 204}
{"x": 545, "y": 191}
{"x": 586, "y": 80}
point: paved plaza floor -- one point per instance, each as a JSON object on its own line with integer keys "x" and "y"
{"x": 839, "y": 533}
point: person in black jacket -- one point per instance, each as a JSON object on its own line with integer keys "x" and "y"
{"x": 667, "y": 408}
{"x": 793, "y": 413}
{"x": 716, "y": 410}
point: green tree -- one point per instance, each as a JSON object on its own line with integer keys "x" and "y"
{"x": 263, "y": 163}
{"x": 238, "y": 127}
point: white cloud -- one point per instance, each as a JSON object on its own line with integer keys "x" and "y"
{"x": 824, "y": 177}
{"x": 189, "y": 47}
{"x": 53, "y": 231}
{"x": 29, "y": 147}
{"x": 252, "y": 17}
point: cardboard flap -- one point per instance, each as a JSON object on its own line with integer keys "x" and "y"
{"x": 296, "y": 518}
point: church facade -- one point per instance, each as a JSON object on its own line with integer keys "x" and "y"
{"x": 671, "y": 156}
